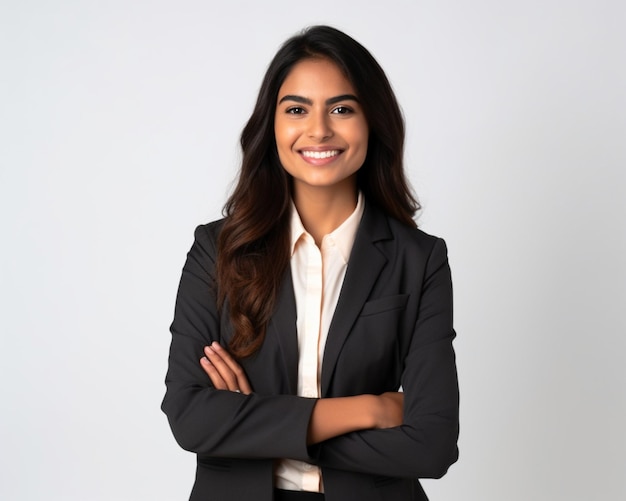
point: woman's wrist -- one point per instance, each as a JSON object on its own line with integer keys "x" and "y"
{"x": 388, "y": 409}
{"x": 332, "y": 417}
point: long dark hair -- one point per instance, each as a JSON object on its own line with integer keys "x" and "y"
{"x": 253, "y": 246}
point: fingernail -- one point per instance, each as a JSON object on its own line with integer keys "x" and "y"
{"x": 215, "y": 344}
{"x": 205, "y": 360}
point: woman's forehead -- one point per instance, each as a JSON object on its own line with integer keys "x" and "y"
{"x": 314, "y": 77}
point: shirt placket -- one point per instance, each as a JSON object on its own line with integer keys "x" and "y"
{"x": 313, "y": 302}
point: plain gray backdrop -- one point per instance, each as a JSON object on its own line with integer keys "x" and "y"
{"x": 119, "y": 126}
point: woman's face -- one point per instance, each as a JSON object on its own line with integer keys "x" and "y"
{"x": 321, "y": 131}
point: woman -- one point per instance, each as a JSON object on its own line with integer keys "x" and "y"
{"x": 302, "y": 313}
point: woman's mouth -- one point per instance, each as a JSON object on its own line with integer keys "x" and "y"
{"x": 320, "y": 154}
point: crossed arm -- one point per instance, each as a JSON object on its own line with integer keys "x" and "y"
{"x": 331, "y": 417}
{"x": 413, "y": 434}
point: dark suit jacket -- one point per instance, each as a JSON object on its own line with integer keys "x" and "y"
{"x": 392, "y": 326}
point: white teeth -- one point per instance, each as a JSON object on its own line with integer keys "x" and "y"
{"x": 320, "y": 154}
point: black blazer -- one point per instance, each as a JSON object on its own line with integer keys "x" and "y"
{"x": 392, "y": 327}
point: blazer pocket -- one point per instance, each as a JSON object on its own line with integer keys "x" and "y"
{"x": 384, "y": 304}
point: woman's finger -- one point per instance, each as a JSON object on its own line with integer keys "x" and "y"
{"x": 242, "y": 379}
{"x": 213, "y": 374}
{"x": 224, "y": 371}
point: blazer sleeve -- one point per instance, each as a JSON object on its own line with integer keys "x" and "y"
{"x": 216, "y": 422}
{"x": 425, "y": 445}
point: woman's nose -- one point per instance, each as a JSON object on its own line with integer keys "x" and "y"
{"x": 319, "y": 126}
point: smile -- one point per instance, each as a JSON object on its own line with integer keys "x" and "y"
{"x": 320, "y": 154}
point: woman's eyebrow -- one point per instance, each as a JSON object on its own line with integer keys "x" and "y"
{"x": 343, "y": 97}
{"x": 297, "y": 99}
{"x": 329, "y": 101}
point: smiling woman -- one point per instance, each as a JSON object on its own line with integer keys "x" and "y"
{"x": 302, "y": 313}
{"x": 321, "y": 135}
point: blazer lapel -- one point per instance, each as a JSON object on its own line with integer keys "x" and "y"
{"x": 366, "y": 263}
{"x": 283, "y": 323}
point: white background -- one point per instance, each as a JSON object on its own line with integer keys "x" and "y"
{"x": 119, "y": 126}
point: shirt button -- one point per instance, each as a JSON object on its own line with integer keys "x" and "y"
{"x": 307, "y": 467}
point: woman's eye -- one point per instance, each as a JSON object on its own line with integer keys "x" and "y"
{"x": 295, "y": 110}
{"x": 342, "y": 110}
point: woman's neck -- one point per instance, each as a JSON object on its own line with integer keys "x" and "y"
{"x": 322, "y": 211}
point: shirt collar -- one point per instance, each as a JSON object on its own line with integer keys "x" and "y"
{"x": 296, "y": 228}
{"x": 343, "y": 236}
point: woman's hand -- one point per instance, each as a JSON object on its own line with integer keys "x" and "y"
{"x": 332, "y": 417}
{"x": 224, "y": 371}
{"x": 389, "y": 409}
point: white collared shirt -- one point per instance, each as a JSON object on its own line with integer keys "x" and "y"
{"x": 317, "y": 275}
